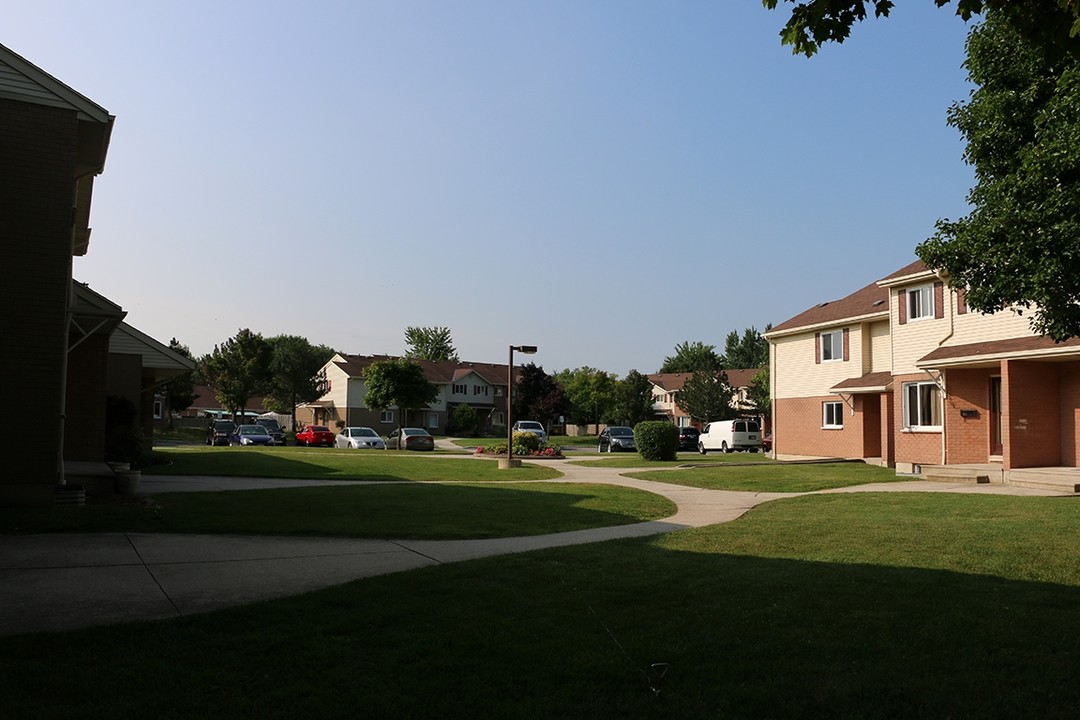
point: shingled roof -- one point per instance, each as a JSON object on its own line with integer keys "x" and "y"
{"x": 440, "y": 372}
{"x": 867, "y": 301}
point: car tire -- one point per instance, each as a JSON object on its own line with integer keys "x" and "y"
{"x": 701, "y": 449}
{"x": 599, "y": 448}
{"x": 724, "y": 447}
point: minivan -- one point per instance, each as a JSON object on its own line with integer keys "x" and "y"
{"x": 729, "y": 435}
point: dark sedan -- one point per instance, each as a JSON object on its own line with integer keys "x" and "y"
{"x": 251, "y": 435}
{"x": 616, "y": 439}
{"x": 219, "y": 432}
{"x": 410, "y": 439}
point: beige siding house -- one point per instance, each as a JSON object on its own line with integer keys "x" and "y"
{"x": 902, "y": 373}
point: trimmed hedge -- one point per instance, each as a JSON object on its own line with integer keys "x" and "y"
{"x": 656, "y": 440}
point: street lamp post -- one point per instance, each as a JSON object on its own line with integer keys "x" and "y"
{"x": 527, "y": 350}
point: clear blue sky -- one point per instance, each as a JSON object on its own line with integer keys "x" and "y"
{"x": 604, "y": 179}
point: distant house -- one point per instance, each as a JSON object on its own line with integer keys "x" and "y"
{"x": 206, "y": 405}
{"x": 666, "y": 388}
{"x": 900, "y": 372}
{"x": 479, "y": 385}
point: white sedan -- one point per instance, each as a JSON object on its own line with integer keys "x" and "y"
{"x": 359, "y": 438}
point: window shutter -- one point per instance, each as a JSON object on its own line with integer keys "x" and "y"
{"x": 902, "y": 294}
{"x": 817, "y": 347}
{"x": 939, "y": 300}
{"x": 961, "y": 301}
{"x": 845, "y": 344}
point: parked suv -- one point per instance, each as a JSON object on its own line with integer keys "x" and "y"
{"x": 219, "y": 432}
{"x": 688, "y": 438}
{"x": 728, "y": 435}
{"x": 273, "y": 428}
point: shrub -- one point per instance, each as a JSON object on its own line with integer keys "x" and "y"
{"x": 525, "y": 443}
{"x": 462, "y": 420}
{"x": 497, "y": 431}
{"x": 656, "y": 440}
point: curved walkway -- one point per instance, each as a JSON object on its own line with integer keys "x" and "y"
{"x": 65, "y": 581}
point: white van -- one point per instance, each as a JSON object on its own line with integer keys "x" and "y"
{"x": 728, "y": 435}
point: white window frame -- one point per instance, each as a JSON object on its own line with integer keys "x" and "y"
{"x": 833, "y": 342}
{"x": 832, "y": 415}
{"x": 386, "y": 417}
{"x": 159, "y": 409}
{"x": 922, "y": 407}
{"x": 433, "y": 420}
{"x": 920, "y": 303}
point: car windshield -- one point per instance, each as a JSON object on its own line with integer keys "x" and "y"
{"x": 318, "y": 428}
{"x": 413, "y": 431}
{"x": 364, "y": 432}
{"x": 252, "y": 430}
{"x": 530, "y": 426}
{"x": 621, "y": 431}
{"x": 224, "y": 426}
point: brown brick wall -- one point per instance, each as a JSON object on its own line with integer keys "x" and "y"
{"x": 37, "y": 160}
{"x": 1032, "y": 421}
{"x": 919, "y": 448}
{"x": 1069, "y": 390}
{"x": 968, "y": 439}
{"x": 84, "y": 430}
{"x": 798, "y": 431}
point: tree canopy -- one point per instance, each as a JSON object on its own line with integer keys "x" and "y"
{"x": 237, "y": 369}
{"x": 180, "y": 391}
{"x": 706, "y": 396}
{"x": 589, "y": 393}
{"x": 691, "y": 357}
{"x": 1020, "y": 245}
{"x": 293, "y": 372}
{"x": 748, "y": 351}
{"x": 1052, "y": 24}
{"x": 633, "y": 399}
{"x": 430, "y": 343}
{"x": 399, "y": 382}
{"x": 537, "y": 396}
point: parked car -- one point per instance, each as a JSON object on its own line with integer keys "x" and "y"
{"x": 273, "y": 428}
{"x": 251, "y": 435}
{"x": 410, "y": 439}
{"x": 531, "y": 426}
{"x": 359, "y": 437}
{"x": 315, "y": 435}
{"x": 766, "y": 442}
{"x": 219, "y": 432}
{"x": 688, "y": 438}
{"x": 616, "y": 439}
{"x": 729, "y": 435}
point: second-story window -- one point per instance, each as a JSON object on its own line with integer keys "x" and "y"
{"x": 920, "y": 302}
{"x": 832, "y": 345}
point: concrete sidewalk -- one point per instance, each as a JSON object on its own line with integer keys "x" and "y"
{"x": 66, "y": 581}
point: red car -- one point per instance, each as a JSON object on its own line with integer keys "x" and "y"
{"x": 315, "y": 435}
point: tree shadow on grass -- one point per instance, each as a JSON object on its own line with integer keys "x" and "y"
{"x": 618, "y": 629}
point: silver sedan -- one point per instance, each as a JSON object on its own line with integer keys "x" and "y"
{"x": 359, "y": 438}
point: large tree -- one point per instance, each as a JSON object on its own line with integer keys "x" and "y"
{"x": 180, "y": 391}
{"x": 589, "y": 393}
{"x": 430, "y": 343}
{"x": 758, "y": 393}
{"x": 237, "y": 369}
{"x": 691, "y": 357}
{"x": 294, "y": 377}
{"x": 1020, "y": 245}
{"x": 633, "y": 399}
{"x": 706, "y": 396}
{"x": 399, "y": 382}
{"x": 750, "y": 350}
{"x": 1051, "y": 24}
{"x": 538, "y": 396}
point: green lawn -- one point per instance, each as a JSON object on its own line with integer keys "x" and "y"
{"x": 390, "y": 510}
{"x": 634, "y": 460}
{"x": 828, "y": 606}
{"x": 338, "y": 464}
{"x": 773, "y": 476}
